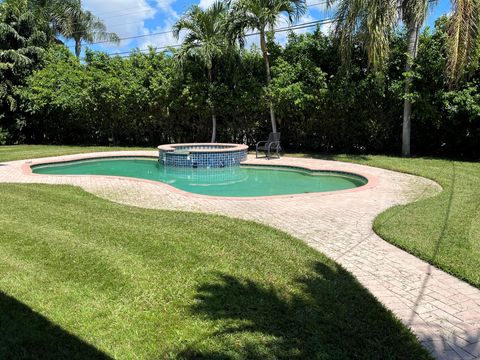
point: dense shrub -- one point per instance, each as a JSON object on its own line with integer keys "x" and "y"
{"x": 321, "y": 105}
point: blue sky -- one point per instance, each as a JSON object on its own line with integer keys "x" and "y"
{"x": 130, "y": 18}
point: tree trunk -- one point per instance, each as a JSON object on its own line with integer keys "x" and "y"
{"x": 78, "y": 47}
{"x": 214, "y": 117}
{"x": 413, "y": 34}
{"x": 214, "y": 128}
{"x": 263, "y": 46}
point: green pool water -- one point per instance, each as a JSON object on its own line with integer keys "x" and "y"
{"x": 243, "y": 181}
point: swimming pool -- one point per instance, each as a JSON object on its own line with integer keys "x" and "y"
{"x": 242, "y": 181}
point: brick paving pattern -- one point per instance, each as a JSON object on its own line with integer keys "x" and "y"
{"x": 443, "y": 311}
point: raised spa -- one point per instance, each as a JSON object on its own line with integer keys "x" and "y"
{"x": 233, "y": 181}
{"x": 202, "y": 155}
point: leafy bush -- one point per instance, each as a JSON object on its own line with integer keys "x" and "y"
{"x": 146, "y": 99}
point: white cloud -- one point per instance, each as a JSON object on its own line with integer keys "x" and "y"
{"x": 164, "y": 35}
{"x": 165, "y": 38}
{"x": 128, "y": 18}
{"x": 327, "y": 28}
{"x": 204, "y": 4}
{"x": 166, "y": 7}
{"x": 124, "y": 17}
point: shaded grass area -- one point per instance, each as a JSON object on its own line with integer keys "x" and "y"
{"x": 82, "y": 277}
{"x": 443, "y": 230}
{"x": 20, "y": 152}
{"x": 25, "y": 334}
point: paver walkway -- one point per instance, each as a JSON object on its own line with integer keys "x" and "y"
{"x": 441, "y": 310}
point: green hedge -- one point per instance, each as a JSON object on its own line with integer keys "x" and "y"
{"x": 146, "y": 99}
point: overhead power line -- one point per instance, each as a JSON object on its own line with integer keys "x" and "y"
{"x": 141, "y": 22}
{"x": 147, "y": 35}
{"x": 163, "y": 32}
{"x": 128, "y": 13}
{"x": 139, "y": 11}
{"x": 278, "y": 30}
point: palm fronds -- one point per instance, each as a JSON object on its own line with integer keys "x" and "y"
{"x": 372, "y": 21}
{"x": 464, "y": 40}
{"x": 204, "y": 37}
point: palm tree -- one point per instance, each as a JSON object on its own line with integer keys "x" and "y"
{"x": 67, "y": 18}
{"x": 464, "y": 37}
{"x": 55, "y": 15}
{"x": 21, "y": 47}
{"x": 83, "y": 26}
{"x": 414, "y": 13}
{"x": 204, "y": 40}
{"x": 375, "y": 21}
{"x": 262, "y": 16}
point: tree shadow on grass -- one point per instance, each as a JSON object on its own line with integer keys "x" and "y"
{"x": 331, "y": 316}
{"x": 25, "y": 334}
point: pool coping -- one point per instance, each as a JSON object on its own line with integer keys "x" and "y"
{"x": 27, "y": 170}
{"x": 227, "y": 147}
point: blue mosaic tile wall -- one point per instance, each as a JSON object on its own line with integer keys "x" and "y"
{"x": 207, "y": 159}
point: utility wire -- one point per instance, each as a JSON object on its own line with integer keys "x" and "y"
{"x": 138, "y": 11}
{"x": 157, "y": 33}
{"x": 325, "y": 2}
{"x": 141, "y": 22}
{"x": 288, "y": 28}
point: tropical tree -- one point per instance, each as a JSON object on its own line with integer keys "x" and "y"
{"x": 204, "y": 41}
{"x": 55, "y": 16}
{"x": 262, "y": 16}
{"x": 464, "y": 44}
{"x": 67, "y": 19}
{"x": 83, "y": 26}
{"x": 375, "y": 21}
{"x": 414, "y": 13}
{"x": 21, "y": 47}
{"x": 20, "y": 38}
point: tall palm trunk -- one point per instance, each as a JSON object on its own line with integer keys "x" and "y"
{"x": 263, "y": 46}
{"x": 78, "y": 39}
{"x": 214, "y": 117}
{"x": 78, "y": 47}
{"x": 413, "y": 34}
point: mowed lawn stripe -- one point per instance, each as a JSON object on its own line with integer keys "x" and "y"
{"x": 127, "y": 282}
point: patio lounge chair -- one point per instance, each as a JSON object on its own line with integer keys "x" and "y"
{"x": 272, "y": 145}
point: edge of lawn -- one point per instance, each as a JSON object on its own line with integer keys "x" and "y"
{"x": 71, "y": 150}
{"x": 375, "y": 226}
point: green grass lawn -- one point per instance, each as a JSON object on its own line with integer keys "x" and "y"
{"x": 81, "y": 277}
{"x": 20, "y": 152}
{"x": 443, "y": 230}
{"x": 84, "y": 278}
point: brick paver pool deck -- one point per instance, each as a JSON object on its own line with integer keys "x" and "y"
{"x": 443, "y": 311}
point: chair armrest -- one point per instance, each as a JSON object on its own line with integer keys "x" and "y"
{"x": 261, "y": 142}
{"x": 273, "y": 143}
